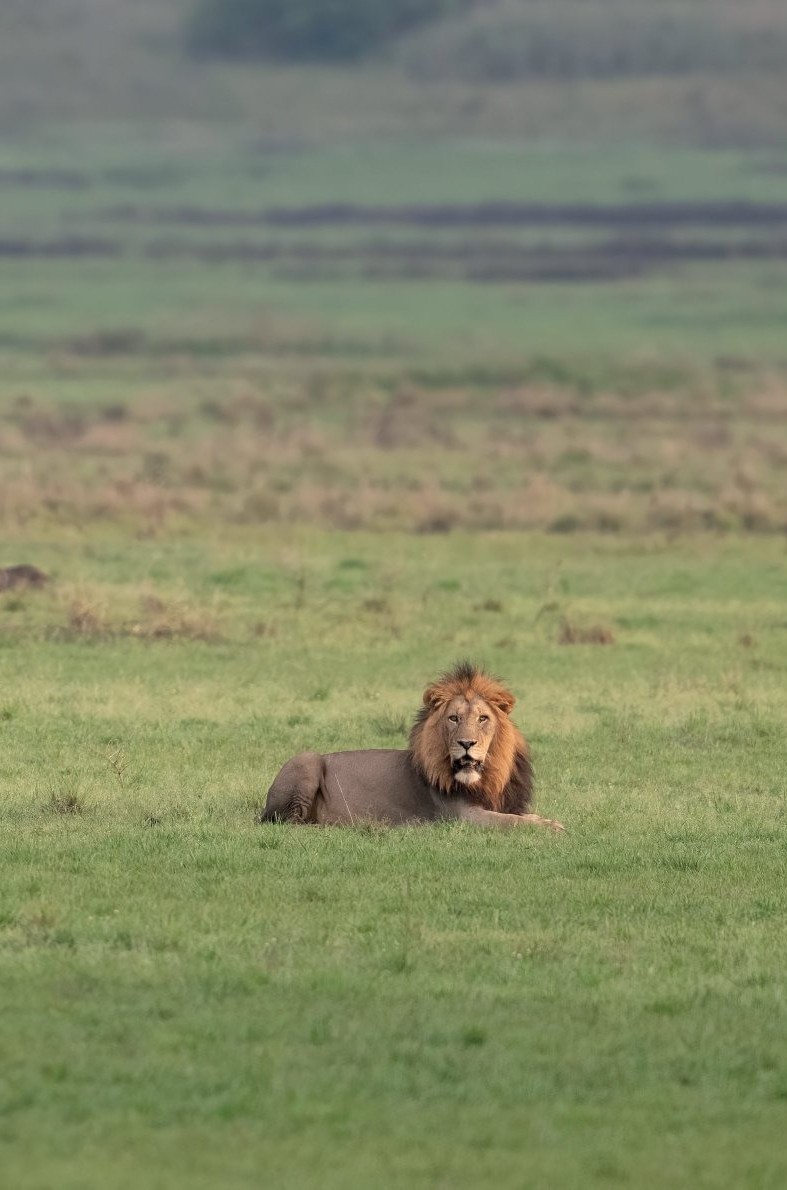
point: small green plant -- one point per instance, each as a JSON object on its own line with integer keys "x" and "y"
{"x": 118, "y": 762}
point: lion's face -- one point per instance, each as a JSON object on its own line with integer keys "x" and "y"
{"x": 463, "y": 736}
{"x": 468, "y": 724}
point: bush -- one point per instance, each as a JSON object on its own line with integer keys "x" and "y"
{"x": 307, "y": 29}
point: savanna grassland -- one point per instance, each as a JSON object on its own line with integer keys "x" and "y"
{"x": 312, "y": 382}
{"x": 191, "y": 998}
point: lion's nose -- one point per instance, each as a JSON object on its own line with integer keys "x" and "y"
{"x": 467, "y": 744}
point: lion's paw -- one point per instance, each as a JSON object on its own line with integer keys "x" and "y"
{"x": 552, "y": 824}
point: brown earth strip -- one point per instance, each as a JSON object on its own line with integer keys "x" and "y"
{"x": 500, "y": 261}
{"x": 69, "y": 247}
{"x": 733, "y": 213}
{"x": 45, "y": 179}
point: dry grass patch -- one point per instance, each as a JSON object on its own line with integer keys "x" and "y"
{"x": 103, "y": 615}
{"x": 66, "y": 803}
{"x": 86, "y": 619}
{"x": 346, "y": 453}
{"x": 173, "y": 620}
{"x": 571, "y": 633}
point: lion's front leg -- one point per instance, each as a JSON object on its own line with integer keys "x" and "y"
{"x": 481, "y": 817}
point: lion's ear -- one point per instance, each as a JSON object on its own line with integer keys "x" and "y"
{"x": 434, "y": 696}
{"x": 504, "y": 701}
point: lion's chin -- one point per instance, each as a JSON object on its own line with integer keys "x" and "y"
{"x": 467, "y": 776}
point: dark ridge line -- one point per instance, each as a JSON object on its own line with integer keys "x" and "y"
{"x": 69, "y": 247}
{"x": 612, "y": 259}
{"x": 45, "y": 179}
{"x": 728, "y": 213}
{"x": 622, "y": 249}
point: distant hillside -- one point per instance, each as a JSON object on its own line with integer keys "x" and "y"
{"x": 94, "y": 59}
{"x": 703, "y": 72}
{"x": 507, "y": 40}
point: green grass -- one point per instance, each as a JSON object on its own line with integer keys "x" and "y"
{"x": 204, "y": 165}
{"x": 697, "y": 316}
{"x": 193, "y": 999}
{"x": 157, "y": 392}
{"x": 692, "y": 312}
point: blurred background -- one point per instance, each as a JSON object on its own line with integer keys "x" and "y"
{"x": 394, "y": 264}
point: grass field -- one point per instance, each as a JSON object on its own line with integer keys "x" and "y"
{"x": 273, "y": 507}
{"x": 190, "y": 998}
{"x": 311, "y": 383}
{"x": 192, "y": 336}
{"x": 650, "y": 254}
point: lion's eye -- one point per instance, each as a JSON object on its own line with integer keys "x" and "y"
{"x": 453, "y": 718}
{"x": 483, "y": 718}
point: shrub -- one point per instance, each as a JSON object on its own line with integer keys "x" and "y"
{"x": 307, "y": 29}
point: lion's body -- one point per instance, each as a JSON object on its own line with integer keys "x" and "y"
{"x": 340, "y": 788}
{"x": 444, "y": 775}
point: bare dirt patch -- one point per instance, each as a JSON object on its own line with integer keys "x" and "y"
{"x": 23, "y": 577}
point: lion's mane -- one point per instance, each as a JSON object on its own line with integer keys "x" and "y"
{"x": 506, "y": 783}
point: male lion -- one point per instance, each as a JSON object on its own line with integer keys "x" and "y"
{"x": 466, "y": 762}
